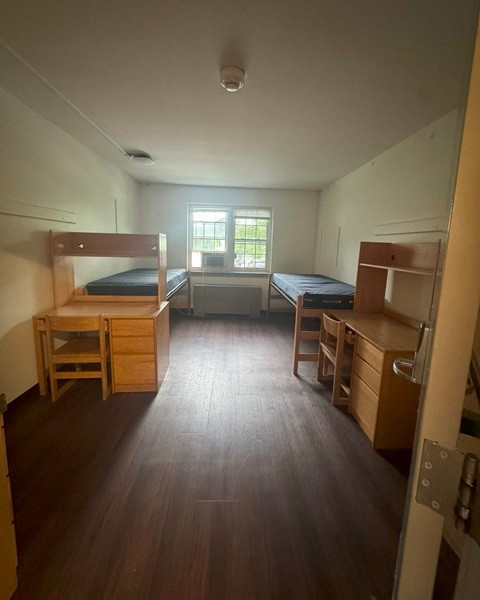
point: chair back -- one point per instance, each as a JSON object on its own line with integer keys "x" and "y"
{"x": 330, "y": 325}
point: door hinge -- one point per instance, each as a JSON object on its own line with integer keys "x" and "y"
{"x": 447, "y": 484}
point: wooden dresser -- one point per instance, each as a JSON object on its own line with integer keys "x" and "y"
{"x": 8, "y": 549}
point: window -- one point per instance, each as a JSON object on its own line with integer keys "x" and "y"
{"x": 230, "y": 238}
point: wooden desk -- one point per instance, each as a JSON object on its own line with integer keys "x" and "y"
{"x": 384, "y": 405}
{"x": 139, "y": 341}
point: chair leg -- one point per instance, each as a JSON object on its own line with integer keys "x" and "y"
{"x": 321, "y": 360}
{"x": 105, "y": 386}
{"x": 337, "y": 378}
{"x": 53, "y": 383}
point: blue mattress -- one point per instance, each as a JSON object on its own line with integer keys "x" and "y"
{"x": 318, "y": 291}
{"x": 136, "y": 282}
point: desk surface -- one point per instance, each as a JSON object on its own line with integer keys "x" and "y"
{"x": 132, "y": 310}
{"x": 385, "y": 333}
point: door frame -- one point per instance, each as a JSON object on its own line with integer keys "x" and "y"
{"x": 450, "y": 350}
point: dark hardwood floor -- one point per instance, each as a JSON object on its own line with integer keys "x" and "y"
{"x": 237, "y": 481}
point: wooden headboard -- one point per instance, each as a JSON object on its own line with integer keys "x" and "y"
{"x": 67, "y": 244}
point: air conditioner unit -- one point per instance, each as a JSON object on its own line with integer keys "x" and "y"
{"x": 213, "y": 259}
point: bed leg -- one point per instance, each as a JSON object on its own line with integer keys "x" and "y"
{"x": 296, "y": 339}
{"x": 269, "y": 294}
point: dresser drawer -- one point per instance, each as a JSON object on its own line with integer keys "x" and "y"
{"x": 370, "y": 354}
{"x": 133, "y": 345}
{"x": 364, "y": 406}
{"x": 134, "y": 369}
{"x": 132, "y": 327}
{"x": 368, "y": 375}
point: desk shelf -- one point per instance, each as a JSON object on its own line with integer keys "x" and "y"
{"x": 376, "y": 259}
{"x": 412, "y": 270}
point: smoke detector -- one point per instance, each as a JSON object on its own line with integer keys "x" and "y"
{"x": 142, "y": 158}
{"x": 232, "y": 78}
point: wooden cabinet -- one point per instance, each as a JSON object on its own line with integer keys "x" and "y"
{"x": 384, "y": 405}
{"x": 8, "y": 550}
{"x": 139, "y": 352}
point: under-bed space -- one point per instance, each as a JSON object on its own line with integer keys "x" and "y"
{"x": 310, "y": 295}
{"x": 137, "y": 282}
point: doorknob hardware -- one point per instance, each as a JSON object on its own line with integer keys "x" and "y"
{"x": 400, "y": 363}
{"x": 452, "y": 486}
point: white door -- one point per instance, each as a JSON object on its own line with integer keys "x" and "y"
{"x": 449, "y": 352}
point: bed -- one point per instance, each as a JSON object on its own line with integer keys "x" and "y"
{"x": 310, "y": 294}
{"x": 137, "y": 282}
{"x": 140, "y": 282}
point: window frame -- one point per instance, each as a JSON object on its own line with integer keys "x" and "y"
{"x": 229, "y": 262}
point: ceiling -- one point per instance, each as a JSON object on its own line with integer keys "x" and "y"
{"x": 330, "y": 84}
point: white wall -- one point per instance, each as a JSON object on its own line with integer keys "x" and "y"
{"x": 294, "y": 231}
{"x": 405, "y": 189}
{"x": 42, "y": 165}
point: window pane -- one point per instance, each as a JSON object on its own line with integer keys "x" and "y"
{"x": 261, "y": 229}
{"x": 250, "y": 230}
{"x": 220, "y": 230}
{"x": 220, "y": 245}
{"x": 198, "y": 230}
{"x": 260, "y": 251}
{"x": 209, "y": 230}
{"x": 197, "y": 244}
{"x": 239, "y": 231}
{"x": 196, "y": 259}
{"x": 209, "y": 245}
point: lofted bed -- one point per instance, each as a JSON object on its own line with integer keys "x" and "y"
{"x": 138, "y": 325}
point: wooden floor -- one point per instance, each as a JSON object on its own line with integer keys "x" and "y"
{"x": 237, "y": 481}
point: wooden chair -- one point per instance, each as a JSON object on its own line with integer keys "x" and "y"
{"x": 77, "y": 351}
{"x": 336, "y": 348}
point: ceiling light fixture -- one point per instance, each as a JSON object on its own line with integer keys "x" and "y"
{"x": 232, "y": 78}
{"x": 141, "y": 158}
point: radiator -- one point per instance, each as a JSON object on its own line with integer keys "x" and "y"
{"x": 227, "y": 299}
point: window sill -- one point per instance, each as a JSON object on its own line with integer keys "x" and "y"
{"x": 229, "y": 273}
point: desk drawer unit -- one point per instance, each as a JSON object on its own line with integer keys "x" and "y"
{"x": 132, "y": 343}
{"x": 364, "y": 406}
{"x": 384, "y": 405}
